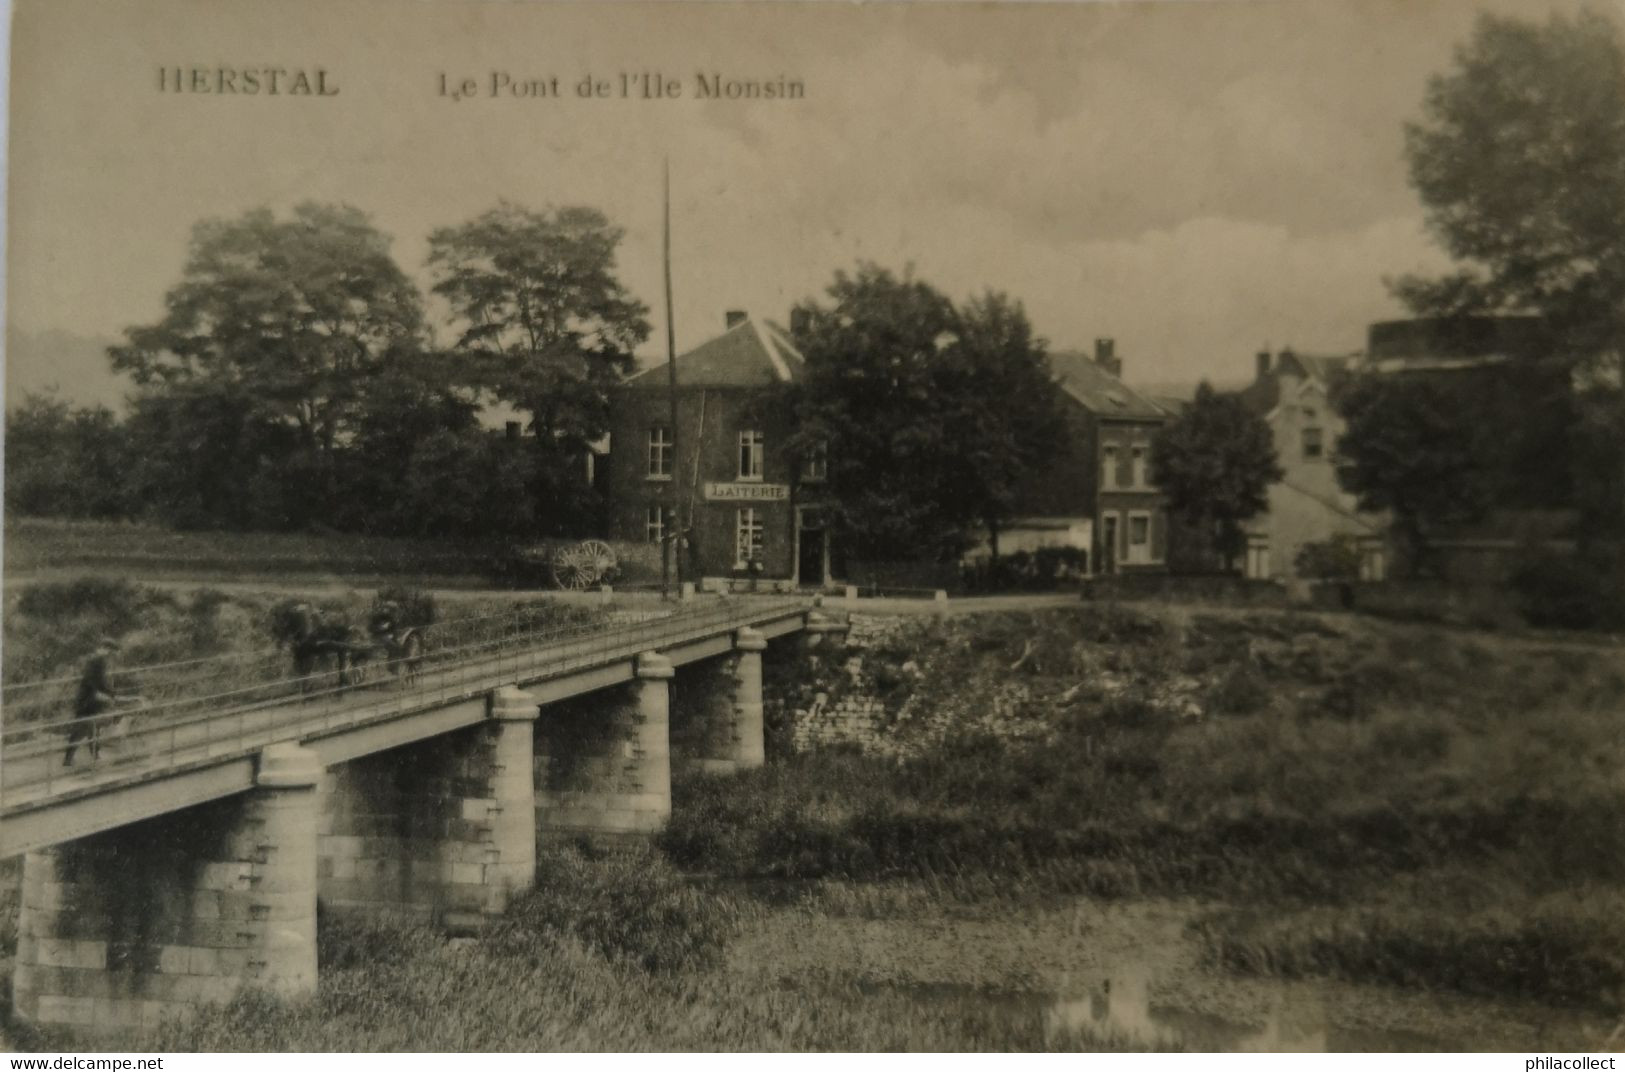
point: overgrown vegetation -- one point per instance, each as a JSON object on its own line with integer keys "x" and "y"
{"x": 631, "y": 908}
{"x": 1333, "y": 762}
{"x": 612, "y": 952}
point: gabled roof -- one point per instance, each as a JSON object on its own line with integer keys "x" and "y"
{"x": 752, "y": 353}
{"x": 1264, "y": 393}
{"x": 1099, "y": 391}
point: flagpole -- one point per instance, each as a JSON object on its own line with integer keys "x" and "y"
{"x": 673, "y": 533}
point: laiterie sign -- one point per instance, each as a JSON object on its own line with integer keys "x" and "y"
{"x": 716, "y": 492}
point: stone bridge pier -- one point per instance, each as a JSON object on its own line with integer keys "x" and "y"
{"x": 443, "y": 830}
{"x": 129, "y": 927}
{"x": 602, "y": 766}
{"x": 716, "y": 710}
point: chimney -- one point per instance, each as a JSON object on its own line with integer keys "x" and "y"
{"x": 1263, "y": 363}
{"x": 800, "y": 321}
{"x": 736, "y": 317}
{"x": 1106, "y": 356}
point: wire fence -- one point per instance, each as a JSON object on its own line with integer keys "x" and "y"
{"x": 200, "y": 710}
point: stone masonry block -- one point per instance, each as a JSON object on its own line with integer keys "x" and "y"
{"x": 56, "y": 1009}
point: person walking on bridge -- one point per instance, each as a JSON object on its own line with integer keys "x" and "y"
{"x": 96, "y": 696}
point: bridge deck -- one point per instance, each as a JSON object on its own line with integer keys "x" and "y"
{"x": 170, "y": 759}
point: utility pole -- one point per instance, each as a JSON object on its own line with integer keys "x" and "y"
{"x": 672, "y": 533}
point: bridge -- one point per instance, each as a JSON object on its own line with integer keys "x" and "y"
{"x": 188, "y": 859}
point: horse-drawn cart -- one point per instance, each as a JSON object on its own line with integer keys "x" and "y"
{"x": 323, "y": 642}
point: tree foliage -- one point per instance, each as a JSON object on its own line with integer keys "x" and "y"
{"x": 1214, "y": 464}
{"x": 1519, "y": 158}
{"x": 288, "y": 387}
{"x": 546, "y": 326}
{"x": 929, "y": 412}
{"x": 289, "y": 315}
{"x": 542, "y": 313}
{"x": 65, "y": 461}
{"x": 1409, "y": 448}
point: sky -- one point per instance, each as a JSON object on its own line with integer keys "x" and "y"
{"x": 1194, "y": 179}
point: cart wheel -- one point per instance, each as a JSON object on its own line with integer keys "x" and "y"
{"x": 602, "y": 558}
{"x": 571, "y": 568}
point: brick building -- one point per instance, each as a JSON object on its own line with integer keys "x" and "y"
{"x": 750, "y": 509}
{"x": 1098, "y": 491}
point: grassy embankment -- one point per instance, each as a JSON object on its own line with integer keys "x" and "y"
{"x": 1357, "y": 800}
{"x": 1365, "y": 801}
{"x": 52, "y": 549}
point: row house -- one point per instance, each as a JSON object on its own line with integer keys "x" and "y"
{"x": 1290, "y": 392}
{"x": 1098, "y": 494}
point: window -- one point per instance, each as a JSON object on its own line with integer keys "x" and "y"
{"x": 654, "y": 524}
{"x": 747, "y": 537}
{"x": 1311, "y": 443}
{"x": 660, "y": 452}
{"x": 815, "y": 466}
{"x": 1137, "y": 462}
{"x": 1108, "y": 467}
{"x": 750, "y": 454}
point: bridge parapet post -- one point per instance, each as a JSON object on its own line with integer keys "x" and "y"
{"x": 820, "y": 625}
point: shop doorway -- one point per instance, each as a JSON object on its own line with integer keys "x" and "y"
{"x": 812, "y": 549}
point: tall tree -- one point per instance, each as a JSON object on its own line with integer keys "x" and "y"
{"x": 1001, "y": 401}
{"x": 548, "y": 325}
{"x": 928, "y": 412}
{"x": 1519, "y": 158}
{"x": 294, "y": 313}
{"x": 282, "y": 319}
{"x": 1214, "y": 464}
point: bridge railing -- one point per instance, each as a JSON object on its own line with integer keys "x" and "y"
{"x": 467, "y": 658}
{"x": 160, "y": 683}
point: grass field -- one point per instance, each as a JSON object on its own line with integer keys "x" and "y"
{"x": 49, "y": 548}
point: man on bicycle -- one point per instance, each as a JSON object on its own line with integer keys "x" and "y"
{"x": 96, "y": 696}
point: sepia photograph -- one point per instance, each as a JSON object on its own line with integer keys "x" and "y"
{"x": 805, "y": 527}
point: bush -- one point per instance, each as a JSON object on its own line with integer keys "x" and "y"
{"x": 1239, "y": 690}
{"x": 117, "y": 603}
{"x": 630, "y": 907}
{"x": 1334, "y": 559}
{"x": 1572, "y": 591}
